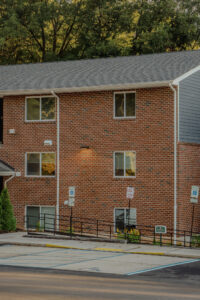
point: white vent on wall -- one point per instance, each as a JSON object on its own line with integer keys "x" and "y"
{"x": 12, "y": 131}
{"x": 48, "y": 143}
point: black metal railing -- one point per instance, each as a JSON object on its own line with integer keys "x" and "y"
{"x": 93, "y": 228}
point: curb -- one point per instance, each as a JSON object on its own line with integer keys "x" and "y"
{"x": 101, "y": 250}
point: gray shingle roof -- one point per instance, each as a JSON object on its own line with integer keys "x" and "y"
{"x": 98, "y": 72}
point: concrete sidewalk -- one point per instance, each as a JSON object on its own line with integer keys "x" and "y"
{"x": 21, "y": 238}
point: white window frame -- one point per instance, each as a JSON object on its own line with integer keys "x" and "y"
{"x": 127, "y": 177}
{"x": 39, "y": 176}
{"x": 114, "y": 110}
{"x": 124, "y": 208}
{"x": 40, "y": 209}
{"x": 40, "y": 120}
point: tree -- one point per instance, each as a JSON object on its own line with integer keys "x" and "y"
{"x": 161, "y": 25}
{"x": 7, "y": 219}
{"x": 49, "y": 30}
{"x": 37, "y": 30}
{"x": 102, "y": 22}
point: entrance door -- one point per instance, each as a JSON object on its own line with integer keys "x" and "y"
{"x": 1, "y": 121}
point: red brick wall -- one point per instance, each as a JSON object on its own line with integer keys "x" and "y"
{"x": 29, "y": 137}
{"x": 87, "y": 118}
{"x": 188, "y": 175}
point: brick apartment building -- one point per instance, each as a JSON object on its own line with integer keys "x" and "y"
{"x": 101, "y": 125}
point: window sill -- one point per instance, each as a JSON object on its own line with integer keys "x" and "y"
{"x": 40, "y": 121}
{"x": 124, "y": 118}
{"x": 40, "y": 177}
{"x": 124, "y": 177}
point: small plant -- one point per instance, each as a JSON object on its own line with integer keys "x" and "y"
{"x": 68, "y": 230}
{"x": 39, "y": 228}
{"x": 156, "y": 243}
{"x": 196, "y": 241}
{"x": 133, "y": 235}
{"x": 120, "y": 235}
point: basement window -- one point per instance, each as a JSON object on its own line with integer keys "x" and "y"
{"x": 125, "y": 164}
{"x": 124, "y": 105}
{"x": 40, "y": 108}
{"x": 40, "y": 164}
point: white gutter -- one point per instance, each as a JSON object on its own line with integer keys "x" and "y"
{"x": 175, "y": 163}
{"x": 58, "y": 160}
{"x": 6, "y": 181}
{"x": 107, "y": 87}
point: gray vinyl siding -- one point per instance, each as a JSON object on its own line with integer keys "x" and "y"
{"x": 189, "y": 109}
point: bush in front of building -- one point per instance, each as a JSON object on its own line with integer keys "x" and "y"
{"x": 7, "y": 219}
{"x": 132, "y": 235}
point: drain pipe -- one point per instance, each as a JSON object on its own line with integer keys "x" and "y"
{"x": 6, "y": 181}
{"x": 58, "y": 160}
{"x": 175, "y": 163}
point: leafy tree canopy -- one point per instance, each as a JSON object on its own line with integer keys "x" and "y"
{"x": 47, "y": 30}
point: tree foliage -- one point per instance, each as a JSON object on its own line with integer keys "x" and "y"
{"x": 7, "y": 220}
{"x": 46, "y": 30}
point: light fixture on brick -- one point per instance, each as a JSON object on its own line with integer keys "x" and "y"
{"x": 84, "y": 147}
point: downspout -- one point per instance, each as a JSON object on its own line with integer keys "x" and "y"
{"x": 6, "y": 181}
{"x": 58, "y": 160}
{"x": 175, "y": 163}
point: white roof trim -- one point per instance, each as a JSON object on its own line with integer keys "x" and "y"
{"x": 87, "y": 88}
{"x": 187, "y": 74}
{"x": 7, "y": 173}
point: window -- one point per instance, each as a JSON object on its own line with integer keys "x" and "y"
{"x": 40, "y": 164}
{"x": 124, "y": 105}
{"x": 124, "y": 217}
{"x": 40, "y": 109}
{"x": 43, "y": 216}
{"x": 125, "y": 164}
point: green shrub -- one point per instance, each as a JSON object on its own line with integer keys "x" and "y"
{"x": 133, "y": 235}
{"x": 39, "y": 228}
{"x": 68, "y": 230}
{"x": 7, "y": 219}
{"x": 196, "y": 241}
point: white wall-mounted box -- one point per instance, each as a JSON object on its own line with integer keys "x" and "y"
{"x": 11, "y": 131}
{"x": 48, "y": 143}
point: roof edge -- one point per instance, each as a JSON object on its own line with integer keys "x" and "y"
{"x": 87, "y": 88}
{"x": 7, "y": 173}
{"x": 177, "y": 80}
{"x": 7, "y": 165}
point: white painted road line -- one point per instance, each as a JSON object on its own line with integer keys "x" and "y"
{"x": 162, "y": 267}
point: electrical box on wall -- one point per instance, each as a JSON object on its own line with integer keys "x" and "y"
{"x": 12, "y": 131}
{"x": 48, "y": 143}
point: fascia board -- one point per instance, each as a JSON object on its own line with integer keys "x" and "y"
{"x": 187, "y": 74}
{"x": 7, "y": 173}
{"x": 86, "y": 88}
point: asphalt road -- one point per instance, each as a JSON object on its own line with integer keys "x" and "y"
{"x": 26, "y": 283}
